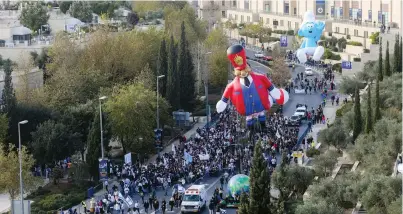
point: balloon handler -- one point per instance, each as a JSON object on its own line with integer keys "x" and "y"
{"x": 251, "y": 93}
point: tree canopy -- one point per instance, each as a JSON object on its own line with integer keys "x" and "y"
{"x": 34, "y": 15}
{"x": 81, "y": 10}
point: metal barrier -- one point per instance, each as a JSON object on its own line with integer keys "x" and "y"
{"x": 301, "y": 138}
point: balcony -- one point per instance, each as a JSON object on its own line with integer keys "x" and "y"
{"x": 281, "y": 14}
{"x": 365, "y": 23}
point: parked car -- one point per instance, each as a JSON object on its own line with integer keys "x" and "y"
{"x": 259, "y": 55}
{"x": 267, "y": 58}
{"x": 308, "y": 71}
{"x": 301, "y": 111}
{"x": 294, "y": 120}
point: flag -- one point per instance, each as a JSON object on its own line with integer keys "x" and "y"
{"x": 173, "y": 149}
{"x": 188, "y": 158}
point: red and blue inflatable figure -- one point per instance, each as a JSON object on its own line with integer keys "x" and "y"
{"x": 251, "y": 93}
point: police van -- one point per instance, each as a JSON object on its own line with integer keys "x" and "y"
{"x": 194, "y": 199}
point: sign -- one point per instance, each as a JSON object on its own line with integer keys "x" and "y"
{"x": 379, "y": 16}
{"x": 204, "y": 157}
{"x": 103, "y": 169}
{"x": 332, "y": 11}
{"x": 346, "y": 65}
{"x": 188, "y": 158}
{"x": 320, "y": 7}
{"x": 283, "y": 41}
{"x": 359, "y": 14}
{"x": 350, "y": 13}
{"x": 128, "y": 158}
{"x": 370, "y": 15}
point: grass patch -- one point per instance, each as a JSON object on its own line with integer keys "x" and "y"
{"x": 344, "y": 109}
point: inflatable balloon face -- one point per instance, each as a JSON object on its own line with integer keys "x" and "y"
{"x": 251, "y": 93}
{"x": 311, "y": 30}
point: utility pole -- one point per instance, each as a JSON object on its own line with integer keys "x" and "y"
{"x": 198, "y": 68}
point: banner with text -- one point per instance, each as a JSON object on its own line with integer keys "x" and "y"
{"x": 103, "y": 169}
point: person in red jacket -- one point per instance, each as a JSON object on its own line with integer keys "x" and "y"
{"x": 251, "y": 93}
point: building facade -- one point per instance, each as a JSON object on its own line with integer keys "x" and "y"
{"x": 356, "y": 18}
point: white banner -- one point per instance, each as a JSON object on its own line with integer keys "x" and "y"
{"x": 128, "y": 158}
{"x": 204, "y": 157}
{"x": 299, "y": 91}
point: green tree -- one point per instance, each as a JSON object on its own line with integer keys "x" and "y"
{"x": 64, "y": 6}
{"x": 57, "y": 174}
{"x": 335, "y": 135}
{"x": 52, "y": 141}
{"x": 380, "y": 65}
{"x": 186, "y": 73}
{"x": 244, "y": 205}
{"x": 388, "y": 69}
{"x": 8, "y": 94}
{"x": 104, "y": 7}
{"x": 94, "y": 146}
{"x": 280, "y": 183}
{"x": 357, "y": 125}
{"x": 41, "y": 60}
{"x": 259, "y": 197}
{"x": 9, "y": 165}
{"x": 348, "y": 85}
{"x": 377, "y": 101}
{"x": 217, "y": 43}
{"x": 33, "y": 16}
{"x": 400, "y": 54}
{"x": 163, "y": 68}
{"x": 319, "y": 207}
{"x": 81, "y": 10}
{"x": 368, "y": 73}
{"x": 368, "y": 119}
{"x": 131, "y": 115}
{"x": 173, "y": 93}
{"x": 132, "y": 19}
{"x": 3, "y": 130}
{"x": 396, "y": 55}
{"x": 325, "y": 162}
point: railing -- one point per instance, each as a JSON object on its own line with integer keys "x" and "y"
{"x": 281, "y": 14}
{"x": 356, "y": 22}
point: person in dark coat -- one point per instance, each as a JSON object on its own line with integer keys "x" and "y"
{"x": 146, "y": 206}
{"x": 156, "y": 205}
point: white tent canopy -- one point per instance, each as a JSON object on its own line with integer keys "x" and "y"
{"x": 20, "y": 31}
{"x": 74, "y": 21}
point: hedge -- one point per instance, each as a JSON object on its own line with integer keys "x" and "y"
{"x": 335, "y": 57}
{"x": 354, "y": 43}
{"x": 366, "y": 50}
{"x": 312, "y": 152}
{"x": 344, "y": 109}
{"x": 374, "y": 38}
{"x": 55, "y": 201}
{"x": 337, "y": 67}
{"x": 357, "y": 59}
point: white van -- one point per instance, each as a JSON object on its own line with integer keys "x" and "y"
{"x": 194, "y": 199}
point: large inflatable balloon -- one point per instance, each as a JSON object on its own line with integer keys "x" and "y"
{"x": 237, "y": 184}
{"x": 311, "y": 30}
{"x": 251, "y": 93}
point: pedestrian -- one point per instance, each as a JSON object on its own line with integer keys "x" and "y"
{"x": 146, "y": 204}
{"x": 337, "y": 100}
{"x": 142, "y": 196}
{"x": 106, "y": 185}
{"x": 172, "y": 203}
{"x": 211, "y": 207}
{"x": 164, "y": 206}
{"x": 84, "y": 204}
{"x": 136, "y": 207}
{"x": 156, "y": 205}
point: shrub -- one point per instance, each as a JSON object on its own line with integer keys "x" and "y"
{"x": 354, "y": 43}
{"x": 357, "y": 59}
{"x": 56, "y": 201}
{"x": 344, "y": 109}
{"x": 366, "y": 50}
{"x": 337, "y": 67}
{"x": 336, "y": 57}
{"x": 335, "y": 49}
{"x": 374, "y": 38}
{"x": 330, "y": 34}
{"x": 273, "y": 39}
{"x": 290, "y": 32}
{"x": 348, "y": 37}
{"x": 39, "y": 192}
{"x": 322, "y": 37}
{"x": 312, "y": 152}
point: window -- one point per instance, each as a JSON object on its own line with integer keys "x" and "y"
{"x": 211, "y": 3}
{"x": 289, "y": 24}
{"x": 246, "y": 4}
{"x": 365, "y": 34}
{"x": 267, "y": 21}
{"x": 346, "y": 31}
{"x": 248, "y": 18}
{"x": 236, "y": 17}
{"x": 230, "y": 16}
{"x": 223, "y": 13}
{"x": 355, "y": 32}
{"x": 337, "y": 30}
{"x": 242, "y": 18}
{"x": 281, "y": 22}
{"x": 267, "y": 7}
{"x": 286, "y": 8}
{"x": 261, "y": 19}
{"x": 234, "y": 3}
{"x": 295, "y": 11}
{"x": 296, "y": 25}
{"x": 223, "y": 3}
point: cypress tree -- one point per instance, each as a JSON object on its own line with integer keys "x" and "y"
{"x": 388, "y": 70}
{"x": 94, "y": 147}
{"x": 380, "y": 65}
{"x": 368, "y": 121}
{"x": 259, "y": 184}
{"x": 377, "y": 101}
{"x": 357, "y": 123}
{"x": 396, "y": 54}
{"x": 186, "y": 70}
{"x": 8, "y": 96}
{"x": 400, "y": 54}
{"x": 281, "y": 185}
{"x": 172, "y": 93}
{"x": 163, "y": 68}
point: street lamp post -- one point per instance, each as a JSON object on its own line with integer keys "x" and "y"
{"x": 206, "y": 94}
{"x": 20, "y": 160}
{"x": 158, "y": 110}
{"x": 101, "y": 127}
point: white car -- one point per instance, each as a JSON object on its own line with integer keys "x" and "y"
{"x": 259, "y": 55}
{"x": 308, "y": 71}
{"x": 301, "y": 112}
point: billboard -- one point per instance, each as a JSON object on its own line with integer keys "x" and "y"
{"x": 103, "y": 169}
{"x": 320, "y": 7}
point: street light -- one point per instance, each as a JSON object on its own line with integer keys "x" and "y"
{"x": 158, "y": 110}
{"x": 100, "y": 124}
{"x": 20, "y": 160}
